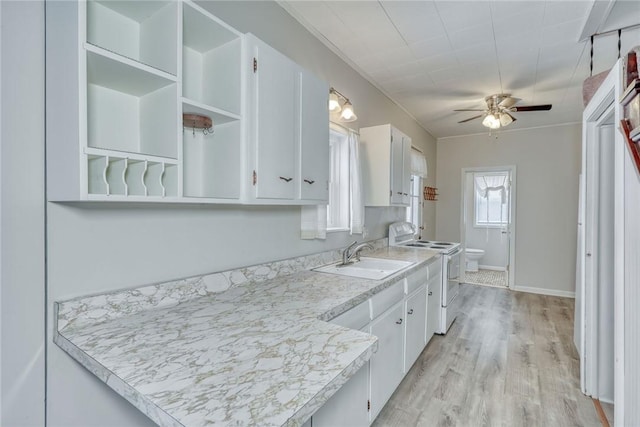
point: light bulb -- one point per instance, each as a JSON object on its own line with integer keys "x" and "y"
{"x": 491, "y": 121}
{"x": 347, "y": 113}
{"x": 334, "y": 103}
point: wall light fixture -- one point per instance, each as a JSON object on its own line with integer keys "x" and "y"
{"x": 345, "y": 110}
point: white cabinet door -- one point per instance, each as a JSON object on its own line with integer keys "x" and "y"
{"x": 349, "y": 406}
{"x": 416, "y": 312}
{"x": 274, "y": 104}
{"x": 314, "y": 138}
{"x": 397, "y": 167}
{"x": 406, "y": 170}
{"x": 433, "y": 305}
{"x": 387, "y": 365}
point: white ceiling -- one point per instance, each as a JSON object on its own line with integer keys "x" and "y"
{"x": 432, "y": 57}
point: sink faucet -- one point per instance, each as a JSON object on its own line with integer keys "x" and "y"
{"x": 353, "y": 251}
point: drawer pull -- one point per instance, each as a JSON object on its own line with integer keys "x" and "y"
{"x": 410, "y": 311}
{"x": 309, "y": 181}
{"x": 285, "y": 179}
{"x": 399, "y": 322}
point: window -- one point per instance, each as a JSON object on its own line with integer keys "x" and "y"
{"x": 490, "y": 199}
{"x": 338, "y": 209}
{"x": 414, "y": 211}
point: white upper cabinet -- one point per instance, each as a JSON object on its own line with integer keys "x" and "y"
{"x": 120, "y": 76}
{"x": 314, "y": 139}
{"x": 288, "y": 130}
{"x": 386, "y": 154}
{"x": 272, "y": 137}
{"x": 125, "y": 80}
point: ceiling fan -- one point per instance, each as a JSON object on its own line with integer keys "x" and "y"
{"x": 499, "y": 109}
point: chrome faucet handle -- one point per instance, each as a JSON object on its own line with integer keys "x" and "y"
{"x": 346, "y": 253}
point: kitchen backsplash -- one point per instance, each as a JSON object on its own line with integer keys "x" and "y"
{"x": 111, "y": 305}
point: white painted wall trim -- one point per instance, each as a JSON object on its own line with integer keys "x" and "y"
{"x": 492, "y": 267}
{"x": 543, "y": 291}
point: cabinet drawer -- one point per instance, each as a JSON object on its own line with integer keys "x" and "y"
{"x": 356, "y": 318}
{"x": 382, "y": 301}
{"x": 417, "y": 279}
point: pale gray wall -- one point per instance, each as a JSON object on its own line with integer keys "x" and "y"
{"x": 22, "y": 289}
{"x": 548, "y": 164}
{"x": 97, "y": 247}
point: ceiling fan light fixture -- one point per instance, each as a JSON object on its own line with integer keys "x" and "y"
{"x": 491, "y": 121}
{"x": 505, "y": 119}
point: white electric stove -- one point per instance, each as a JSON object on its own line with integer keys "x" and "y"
{"x": 403, "y": 234}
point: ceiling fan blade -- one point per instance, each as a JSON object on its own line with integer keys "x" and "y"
{"x": 508, "y": 102}
{"x": 470, "y": 109}
{"x": 545, "y": 107}
{"x": 471, "y": 118}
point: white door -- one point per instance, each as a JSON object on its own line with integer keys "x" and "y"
{"x": 406, "y": 170}
{"x": 416, "y": 312}
{"x": 314, "y": 138}
{"x": 275, "y": 91}
{"x": 434, "y": 306}
{"x": 597, "y": 352}
{"x": 397, "y": 167}
{"x": 349, "y": 406}
{"x": 387, "y": 365}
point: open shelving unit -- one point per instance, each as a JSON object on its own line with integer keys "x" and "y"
{"x": 116, "y": 131}
{"x": 211, "y": 86}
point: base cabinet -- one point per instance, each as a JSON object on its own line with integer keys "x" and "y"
{"x": 349, "y": 406}
{"x": 403, "y": 317}
{"x": 387, "y": 365}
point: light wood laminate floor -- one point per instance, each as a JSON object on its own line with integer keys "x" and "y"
{"x": 508, "y": 360}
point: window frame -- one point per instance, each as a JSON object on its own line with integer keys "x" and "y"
{"x": 339, "y": 155}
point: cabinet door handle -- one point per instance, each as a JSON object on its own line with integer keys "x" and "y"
{"x": 430, "y": 293}
{"x": 399, "y": 322}
{"x": 405, "y": 194}
{"x": 309, "y": 181}
{"x": 400, "y": 193}
{"x": 285, "y": 179}
{"x": 410, "y": 311}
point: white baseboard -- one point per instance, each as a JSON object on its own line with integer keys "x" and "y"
{"x": 491, "y": 267}
{"x": 544, "y": 291}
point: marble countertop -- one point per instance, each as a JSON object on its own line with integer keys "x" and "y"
{"x": 257, "y": 354}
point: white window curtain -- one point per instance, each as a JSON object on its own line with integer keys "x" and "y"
{"x": 313, "y": 222}
{"x": 355, "y": 182}
{"x": 418, "y": 163}
{"x": 487, "y": 183}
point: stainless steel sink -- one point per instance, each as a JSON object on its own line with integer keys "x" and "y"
{"x": 367, "y": 268}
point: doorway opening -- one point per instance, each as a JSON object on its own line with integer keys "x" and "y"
{"x": 487, "y": 225}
